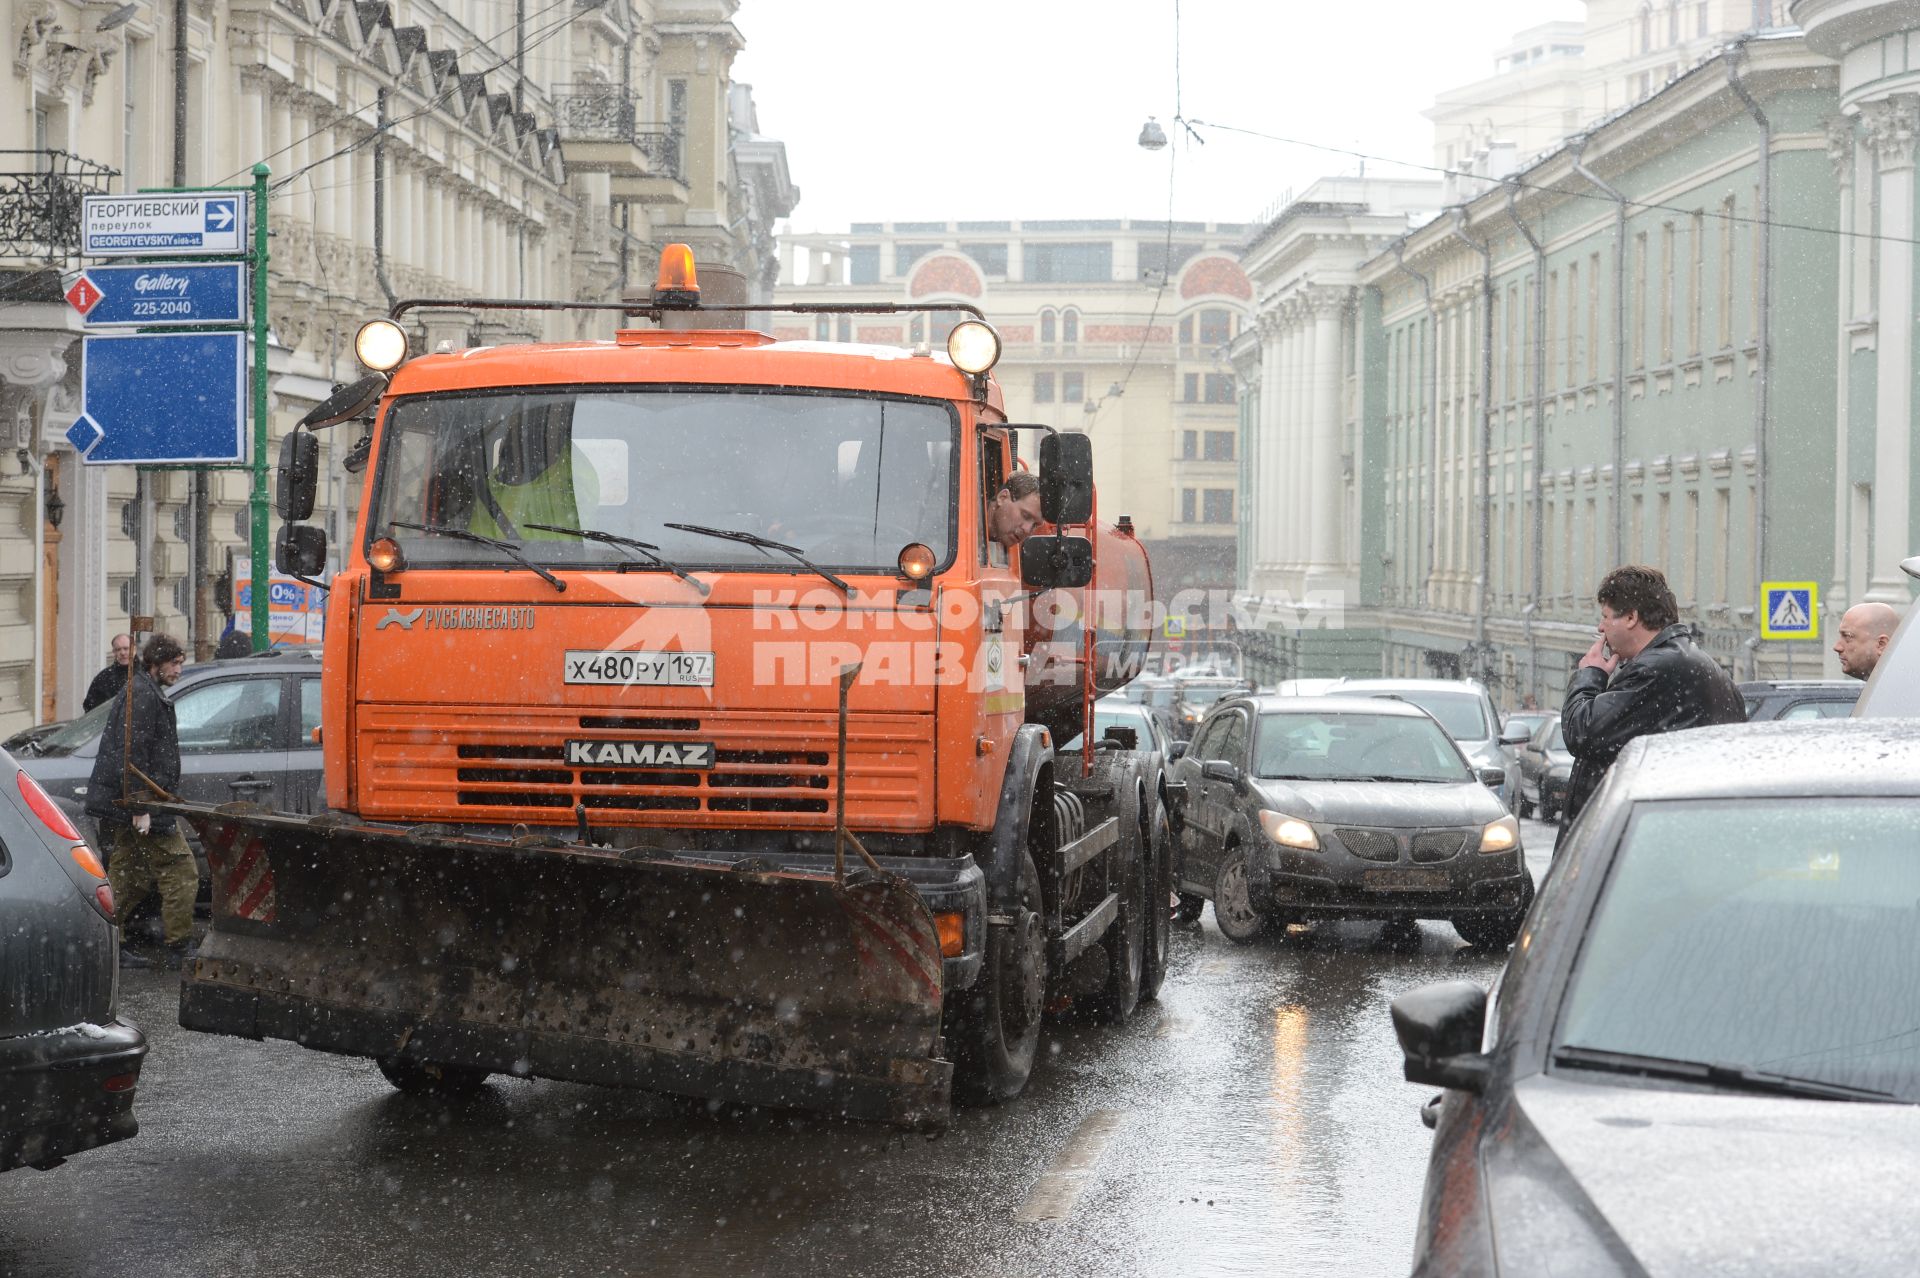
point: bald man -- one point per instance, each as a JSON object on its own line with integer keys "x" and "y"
{"x": 1865, "y": 631}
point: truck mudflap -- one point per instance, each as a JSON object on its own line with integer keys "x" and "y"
{"x": 538, "y": 957}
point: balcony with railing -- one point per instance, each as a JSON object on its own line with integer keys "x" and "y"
{"x": 40, "y": 194}
{"x": 601, "y": 132}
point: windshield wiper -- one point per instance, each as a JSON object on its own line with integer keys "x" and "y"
{"x": 1733, "y": 1077}
{"x": 441, "y": 530}
{"x": 647, "y": 549}
{"x": 766, "y": 543}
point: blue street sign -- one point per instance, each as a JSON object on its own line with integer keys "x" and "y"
{"x": 159, "y": 296}
{"x": 160, "y": 225}
{"x": 162, "y": 397}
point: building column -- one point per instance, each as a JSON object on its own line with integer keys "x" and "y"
{"x": 1267, "y": 489}
{"x": 1890, "y": 126}
{"x": 1325, "y": 488}
{"x": 1840, "y": 148}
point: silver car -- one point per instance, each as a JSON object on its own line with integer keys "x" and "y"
{"x": 1464, "y": 709}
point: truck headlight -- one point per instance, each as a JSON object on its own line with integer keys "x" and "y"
{"x": 1500, "y": 836}
{"x": 1289, "y": 832}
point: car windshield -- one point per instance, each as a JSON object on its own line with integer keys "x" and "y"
{"x": 1778, "y": 934}
{"x": 1202, "y": 695}
{"x": 1116, "y": 716}
{"x": 846, "y": 480}
{"x": 1462, "y": 714}
{"x": 1556, "y": 739}
{"x": 1355, "y": 747}
{"x": 73, "y": 734}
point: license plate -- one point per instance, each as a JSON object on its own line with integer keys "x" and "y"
{"x": 647, "y": 669}
{"x": 1403, "y": 880}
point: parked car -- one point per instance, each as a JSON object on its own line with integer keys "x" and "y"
{"x": 1894, "y": 688}
{"x": 1545, "y": 767}
{"x": 1800, "y": 698}
{"x": 246, "y": 733}
{"x": 68, "y": 1065}
{"x": 1297, "y": 808}
{"x": 1149, "y": 729}
{"x": 1463, "y": 708}
{"x": 1718, "y": 972}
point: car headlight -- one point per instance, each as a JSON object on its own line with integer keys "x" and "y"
{"x": 1500, "y": 836}
{"x": 1289, "y": 832}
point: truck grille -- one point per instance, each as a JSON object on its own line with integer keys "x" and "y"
{"x": 767, "y": 768}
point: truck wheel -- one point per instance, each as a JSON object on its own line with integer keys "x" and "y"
{"x": 996, "y": 1024}
{"x": 1190, "y": 908}
{"x": 1240, "y": 920}
{"x": 424, "y": 1078}
{"x": 1126, "y": 942}
{"x": 1153, "y": 969}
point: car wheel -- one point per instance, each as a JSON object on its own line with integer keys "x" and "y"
{"x": 1521, "y": 808}
{"x": 994, "y": 1028}
{"x": 1493, "y": 929}
{"x": 1159, "y": 889}
{"x": 1190, "y": 908}
{"x": 425, "y": 1078}
{"x": 1238, "y": 918}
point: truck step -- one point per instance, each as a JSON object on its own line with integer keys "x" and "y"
{"x": 1075, "y": 940}
{"x": 1089, "y": 845}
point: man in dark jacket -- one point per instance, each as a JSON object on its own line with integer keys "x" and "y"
{"x": 145, "y": 851}
{"x": 113, "y": 678}
{"x": 1642, "y": 675}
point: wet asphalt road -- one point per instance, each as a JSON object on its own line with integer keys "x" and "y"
{"x": 1253, "y": 1121}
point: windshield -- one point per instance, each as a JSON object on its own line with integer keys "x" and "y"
{"x": 1460, "y": 713}
{"x": 70, "y": 736}
{"x": 1116, "y": 716}
{"x": 847, "y": 480}
{"x": 1205, "y": 696}
{"x": 1778, "y": 934}
{"x": 1355, "y": 747}
{"x": 1556, "y": 740}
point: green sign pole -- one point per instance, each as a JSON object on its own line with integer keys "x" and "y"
{"x": 262, "y": 574}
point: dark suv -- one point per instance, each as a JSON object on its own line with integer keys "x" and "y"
{"x": 1800, "y": 698}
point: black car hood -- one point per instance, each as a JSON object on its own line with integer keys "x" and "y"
{"x": 1397, "y": 804}
{"x": 1689, "y": 1183}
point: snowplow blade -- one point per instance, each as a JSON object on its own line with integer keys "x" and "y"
{"x": 538, "y": 957}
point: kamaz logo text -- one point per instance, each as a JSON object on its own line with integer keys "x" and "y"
{"x": 641, "y": 754}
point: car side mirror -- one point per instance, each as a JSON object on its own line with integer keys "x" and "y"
{"x": 299, "y": 475}
{"x": 1049, "y": 562}
{"x": 1066, "y": 478}
{"x": 1492, "y": 778}
{"x": 1439, "y": 1028}
{"x": 300, "y": 550}
{"x": 1220, "y": 770}
{"x": 1178, "y": 751}
{"x": 1516, "y": 735}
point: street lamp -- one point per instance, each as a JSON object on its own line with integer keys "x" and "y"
{"x": 1152, "y": 136}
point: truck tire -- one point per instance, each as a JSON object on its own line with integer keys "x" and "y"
{"x": 995, "y": 1026}
{"x": 1126, "y": 943}
{"x": 1191, "y": 906}
{"x": 424, "y": 1078}
{"x": 1153, "y": 969}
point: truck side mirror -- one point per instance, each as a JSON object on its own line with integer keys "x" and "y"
{"x": 1050, "y": 562}
{"x": 300, "y": 550}
{"x": 1066, "y": 479}
{"x": 299, "y": 475}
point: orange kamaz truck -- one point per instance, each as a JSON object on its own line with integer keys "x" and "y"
{"x": 686, "y": 729}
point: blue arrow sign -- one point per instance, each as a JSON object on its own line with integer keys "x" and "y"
{"x": 162, "y": 397}
{"x": 159, "y": 296}
{"x": 161, "y": 224}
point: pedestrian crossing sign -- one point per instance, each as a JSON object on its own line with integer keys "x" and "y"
{"x": 1789, "y": 610}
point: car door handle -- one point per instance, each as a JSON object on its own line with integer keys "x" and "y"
{"x": 247, "y": 785}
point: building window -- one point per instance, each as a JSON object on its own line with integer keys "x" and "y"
{"x": 823, "y": 328}
{"x": 1186, "y": 330}
{"x": 1726, "y": 273}
{"x": 1191, "y": 389}
{"x": 1696, "y": 245}
{"x": 1216, "y": 327}
{"x": 1640, "y": 300}
{"x": 1219, "y": 445}
{"x": 1156, "y": 265}
{"x": 863, "y": 264}
{"x": 1218, "y": 506}
{"x": 1673, "y": 21}
{"x": 1187, "y": 507}
{"x": 1072, "y": 387}
{"x": 1043, "y": 388}
{"x": 990, "y": 258}
{"x": 1704, "y": 23}
{"x": 1189, "y": 444}
{"x": 905, "y": 255}
{"x": 1069, "y": 327}
{"x": 1219, "y": 388}
{"x": 1553, "y": 317}
{"x": 1088, "y": 263}
{"x": 1573, "y": 324}
{"x": 1646, "y": 28}
{"x": 1593, "y": 317}
{"x": 1666, "y": 293}
{"x": 1048, "y": 328}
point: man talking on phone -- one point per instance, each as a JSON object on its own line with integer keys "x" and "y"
{"x": 1643, "y": 674}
